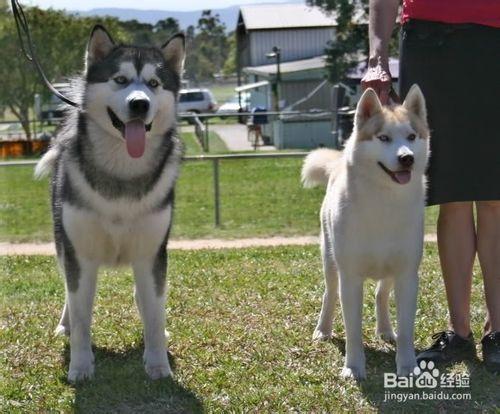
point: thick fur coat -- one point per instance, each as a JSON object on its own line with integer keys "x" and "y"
{"x": 114, "y": 166}
{"x": 372, "y": 222}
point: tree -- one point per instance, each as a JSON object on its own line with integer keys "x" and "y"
{"x": 140, "y": 33}
{"x": 230, "y": 63}
{"x": 59, "y": 40}
{"x": 207, "y": 47}
{"x": 165, "y": 29}
{"x": 351, "y": 38}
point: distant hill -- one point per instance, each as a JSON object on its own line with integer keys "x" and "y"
{"x": 227, "y": 15}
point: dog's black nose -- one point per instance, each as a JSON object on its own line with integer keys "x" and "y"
{"x": 139, "y": 107}
{"x": 406, "y": 160}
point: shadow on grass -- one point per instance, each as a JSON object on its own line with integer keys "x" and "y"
{"x": 482, "y": 393}
{"x": 121, "y": 385}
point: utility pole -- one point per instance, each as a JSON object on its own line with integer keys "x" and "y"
{"x": 276, "y": 54}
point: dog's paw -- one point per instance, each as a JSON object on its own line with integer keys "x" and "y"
{"x": 387, "y": 336}
{"x": 158, "y": 371}
{"x": 320, "y": 335}
{"x": 406, "y": 369}
{"x": 81, "y": 366}
{"x": 80, "y": 372}
{"x": 62, "y": 330}
{"x": 356, "y": 373}
{"x": 156, "y": 364}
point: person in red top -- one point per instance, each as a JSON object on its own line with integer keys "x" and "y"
{"x": 451, "y": 49}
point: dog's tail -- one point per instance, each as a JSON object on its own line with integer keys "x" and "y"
{"x": 47, "y": 163}
{"x": 318, "y": 166}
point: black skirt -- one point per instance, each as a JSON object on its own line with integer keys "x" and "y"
{"x": 457, "y": 66}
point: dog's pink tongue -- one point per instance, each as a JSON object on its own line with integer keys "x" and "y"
{"x": 403, "y": 177}
{"x": 135, "y": 136}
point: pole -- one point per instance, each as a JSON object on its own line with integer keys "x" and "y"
{"x": 206, "y": 145}
{"x": 278, "y": 77}
{"x": 216, "y": 192}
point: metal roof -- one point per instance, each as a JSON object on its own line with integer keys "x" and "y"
{"x": 249, "y": 86}
{"x": 317, "y": 62}
{"x": 283, "y": 16}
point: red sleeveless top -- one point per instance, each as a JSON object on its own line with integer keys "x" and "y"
{"x": 485, "y": 12}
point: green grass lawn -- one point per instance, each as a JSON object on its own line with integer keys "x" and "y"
{"x": 241, "y": 323}
{"x": 260, "y": 197}
{"x": 193, "y": 147}
{"x": 191, "y": 144}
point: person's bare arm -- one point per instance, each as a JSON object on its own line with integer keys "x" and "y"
{"x": 382, "y": 19}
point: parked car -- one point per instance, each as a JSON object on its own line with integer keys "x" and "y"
{"x": 197, "y": 101}
{"x": 232, "y": 106}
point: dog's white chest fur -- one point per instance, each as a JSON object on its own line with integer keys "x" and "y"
{"x": 375, "y": 233}
{"x": 118, "y": 231}
{"x": 115, "y": 241}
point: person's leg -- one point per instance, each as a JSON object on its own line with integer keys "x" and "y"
{"x": 488, "y": 248}
{"x": 457, "y": 250}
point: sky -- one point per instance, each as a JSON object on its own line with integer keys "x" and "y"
{"x": 184, "y": 5}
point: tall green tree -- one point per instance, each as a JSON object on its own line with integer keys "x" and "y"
{"x": 165, "y": 29}
{"x": 230, "y": 63}
{"x": 350, "y": 46}
{"x": 140, "y": 33}
{"x": 60, "y": 40}
{"x": 207, "y": 48}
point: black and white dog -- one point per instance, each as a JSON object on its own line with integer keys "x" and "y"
{"x": 114, "y": 167}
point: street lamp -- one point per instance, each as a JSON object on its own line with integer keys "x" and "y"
{"x": 276, "y": 54}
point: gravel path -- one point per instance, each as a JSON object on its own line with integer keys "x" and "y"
{"x": 48, "y": 249}
{"x": 235, "y": 137}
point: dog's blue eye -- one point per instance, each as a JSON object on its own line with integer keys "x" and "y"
{"x": 384, "y": 138}
{"x": 411, "y": 137}
{"x": 121, "y": 80}
{"x": 153, "y": 83}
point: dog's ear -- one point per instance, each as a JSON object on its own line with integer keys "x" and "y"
{"x": 368, "y": 106}
{"x": 100, "y": 45}
{"x": 174, "y": 52}
{"x": 415, "y": 103}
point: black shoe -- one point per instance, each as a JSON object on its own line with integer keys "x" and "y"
{"x": 491, "y": 351}
{"x": 449, "y": 347}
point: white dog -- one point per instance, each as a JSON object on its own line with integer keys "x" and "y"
{"x": 372, "y": 222}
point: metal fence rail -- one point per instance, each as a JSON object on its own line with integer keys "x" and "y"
{"x": 202, "y": 123}
{"x": 215, "y": 159}
{"x": 187, "y": 115}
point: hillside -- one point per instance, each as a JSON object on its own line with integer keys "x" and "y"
{"x": 186, "y": 18}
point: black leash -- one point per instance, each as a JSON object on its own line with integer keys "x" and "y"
{"x": 394, "y": 96}
{"x": 28, "y": 50}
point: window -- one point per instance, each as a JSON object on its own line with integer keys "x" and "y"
{"x": 191, "y": 97}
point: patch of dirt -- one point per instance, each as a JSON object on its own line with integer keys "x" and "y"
{"x": 48, "y": 249}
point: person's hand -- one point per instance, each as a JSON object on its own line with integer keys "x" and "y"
{"x": 379, "y": 79}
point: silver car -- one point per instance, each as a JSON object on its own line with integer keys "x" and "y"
{"x": 197, "y": 101}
